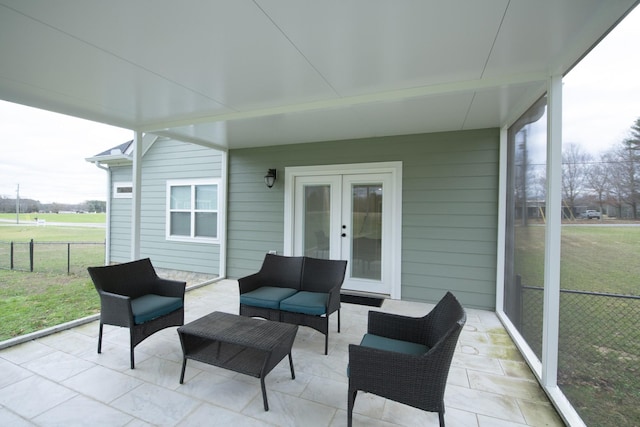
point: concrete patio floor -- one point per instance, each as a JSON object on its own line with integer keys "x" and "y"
{"x": 60, "y": 380}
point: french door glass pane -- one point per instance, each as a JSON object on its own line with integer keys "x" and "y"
{"x": 317, "y": 206}
{"x": 366, "y": 235}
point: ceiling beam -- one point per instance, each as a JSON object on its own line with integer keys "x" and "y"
{"x": 387, "y": 96}
{"x": 185, "y": 138}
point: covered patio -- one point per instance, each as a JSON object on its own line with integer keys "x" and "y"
{"x": 440, "y": 88}
{"x": 60, "y": 379}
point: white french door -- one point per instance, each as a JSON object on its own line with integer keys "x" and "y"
{"x": 347, "y": 215}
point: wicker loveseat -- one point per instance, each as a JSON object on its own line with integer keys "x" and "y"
{"x": 133, "y": 296}
{"x": 407, "y": 359}
{"x": 299, "y": 290}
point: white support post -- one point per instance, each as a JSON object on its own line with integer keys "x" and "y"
{"x": 224, "y": 178}
{"x": 551, "y": 316}
{"x": 107, "y": 237}
{"x": 502, "y": 221}
{"x": 136, "y": 196}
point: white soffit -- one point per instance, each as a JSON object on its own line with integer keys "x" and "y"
{"x": 244, "y": 73}
{"x": 363, "y": 47}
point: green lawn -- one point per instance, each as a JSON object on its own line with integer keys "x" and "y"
{"x": 596, "y": 259}
{"x": 53, "y": 247}
{"x": 601, "y": 259}
{"x": 599, "y": 345}
{"x": 33, "y": 301}
{"x": 49, "y": 233}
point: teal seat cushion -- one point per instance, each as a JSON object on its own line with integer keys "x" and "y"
{"x": 266, "y": 297}
{"x": 390, "y": 344}
{"x": 151, "y": 306}
{"x": 313, "y": 303}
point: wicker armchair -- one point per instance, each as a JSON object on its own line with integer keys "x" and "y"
{"x": 134, "y": 297}
{"x": 407, "y": 359}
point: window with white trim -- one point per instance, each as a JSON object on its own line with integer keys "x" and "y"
{"x": 192, "y": 210}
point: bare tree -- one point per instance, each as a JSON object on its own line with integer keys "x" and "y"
{"x": 598, "y": 180}
{"x": 615, "y": 172}
{"x": 624, "y": 171}
{"x": 632, "y": 145}
{"x": 574, "y": 167}
{"x": 634, "y": 139}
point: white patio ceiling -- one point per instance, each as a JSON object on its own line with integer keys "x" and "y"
{"x": 242, "y": 73}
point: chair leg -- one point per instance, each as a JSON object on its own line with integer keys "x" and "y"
{"x": 100, "y": 339}
{"x": 131, "y": 346}
{"x": 441, "y": 417}
{"x": 351, "y": 400}
{"x": 326, "y": 335}
{"x": 326, "y": 343}
{"x": 338, "y": 320}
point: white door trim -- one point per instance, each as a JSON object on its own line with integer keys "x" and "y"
{"x": 393, "y": 168}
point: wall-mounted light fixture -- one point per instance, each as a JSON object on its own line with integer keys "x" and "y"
{"x": 270, "y": 178}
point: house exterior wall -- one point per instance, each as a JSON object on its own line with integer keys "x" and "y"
{"x": 450, "y": 207}
{"x": 169, "y": 160}
{"x": 120, "y": 216}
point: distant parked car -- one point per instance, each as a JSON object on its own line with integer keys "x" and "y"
{"x": 592, "y": 214}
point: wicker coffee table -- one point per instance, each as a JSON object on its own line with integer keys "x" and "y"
{"x": 242, "y": 344}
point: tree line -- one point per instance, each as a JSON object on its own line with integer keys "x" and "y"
{"x": 9, "y": 205}
{"x": 609, "y": 181}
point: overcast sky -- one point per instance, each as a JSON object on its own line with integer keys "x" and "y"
{"x": 44, "y": 152}
{"x": 601, "y": 95}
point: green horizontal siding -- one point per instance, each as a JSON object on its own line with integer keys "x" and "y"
{"x": 451, "y": 233}
{"x": 169, "y": 160}
{"x": 450, "y": 207}
{"x": 453, "y": 260}
{"x": 449, "y": 246}
{"x": 120, "y": 217}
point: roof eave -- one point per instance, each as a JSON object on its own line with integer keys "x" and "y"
{"x": 111, "y": 160}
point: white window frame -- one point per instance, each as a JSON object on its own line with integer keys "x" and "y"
{"x": 193, "y": 183}
{"x": 120, "y": 195}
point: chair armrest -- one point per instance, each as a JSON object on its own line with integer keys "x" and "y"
{"x": 396, "y": 326}
{"x": 333, "y": 301}
{"x": 249, "y": 283}
{"x": 169, "y": 288}
{"x": 115, "y": 309}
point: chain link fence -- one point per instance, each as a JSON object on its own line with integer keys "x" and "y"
{"x": 599, "y": 352}
{"x": 51, "y": 257}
